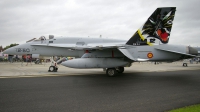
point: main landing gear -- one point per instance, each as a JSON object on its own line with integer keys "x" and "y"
{"x": 111, "y": 72}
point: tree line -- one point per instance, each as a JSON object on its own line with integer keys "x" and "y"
{"x": 9, "y": 46}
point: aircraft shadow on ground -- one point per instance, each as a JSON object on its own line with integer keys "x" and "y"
{"x": 163, "y": 78}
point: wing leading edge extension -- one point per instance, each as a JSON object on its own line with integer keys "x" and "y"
{"x": 82, "y": 47}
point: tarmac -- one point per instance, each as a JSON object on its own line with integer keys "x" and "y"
{"x": 18, "y": 69}
{"x": 143, "y": 87}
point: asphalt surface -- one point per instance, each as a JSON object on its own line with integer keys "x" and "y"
{"x": 130, "y": 92}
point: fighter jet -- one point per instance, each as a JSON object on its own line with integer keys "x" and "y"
{"x": 149, "y": 43}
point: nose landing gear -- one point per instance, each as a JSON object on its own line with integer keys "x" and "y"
{"x": 52, "y": 69}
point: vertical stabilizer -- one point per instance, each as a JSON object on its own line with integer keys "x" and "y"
{"x": 157, "y": 28}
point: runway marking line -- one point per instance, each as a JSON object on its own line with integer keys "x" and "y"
{"x": 29, "y": 76}
{"x": 42, "y": 75}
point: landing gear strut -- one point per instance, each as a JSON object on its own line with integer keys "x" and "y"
{"x": 120, "y": 69}
{"x": 53, "y": 67}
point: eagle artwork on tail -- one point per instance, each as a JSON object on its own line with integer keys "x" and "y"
{"x": 156, "y": 30}
{"x": 159, "y": 25}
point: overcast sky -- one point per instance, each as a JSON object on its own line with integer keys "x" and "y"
{"x": 22, "y": 20}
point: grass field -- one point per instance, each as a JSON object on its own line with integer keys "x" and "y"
{"x": 192, "y": 108}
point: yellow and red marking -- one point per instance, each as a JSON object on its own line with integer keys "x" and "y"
{"x": 143, "y": 38}
{"x": 86, "y": 51}
{"x": 150, "y": 55}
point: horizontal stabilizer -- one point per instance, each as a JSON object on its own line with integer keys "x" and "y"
{"x": 176, "y": 52}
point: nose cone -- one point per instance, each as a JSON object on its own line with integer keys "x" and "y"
{"x": 10, "y": 51}
{"x": 19, "y": 50}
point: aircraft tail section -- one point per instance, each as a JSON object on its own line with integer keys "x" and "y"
{"x": 156, "y": 30}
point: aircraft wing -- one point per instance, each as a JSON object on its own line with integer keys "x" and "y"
{"x": 82, "y": 47}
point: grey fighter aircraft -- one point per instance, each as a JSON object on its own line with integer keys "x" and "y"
{"x": 149, "y": 43}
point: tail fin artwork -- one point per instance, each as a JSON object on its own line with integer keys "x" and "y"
{"x": 156, "y": 30}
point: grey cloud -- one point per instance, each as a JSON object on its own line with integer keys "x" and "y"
{"x": 23, "y": 20}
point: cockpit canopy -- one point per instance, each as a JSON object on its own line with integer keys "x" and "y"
{"x": 41, "y": 38}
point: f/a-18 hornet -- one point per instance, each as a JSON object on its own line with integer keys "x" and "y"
{"x": 149, "y": 43}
